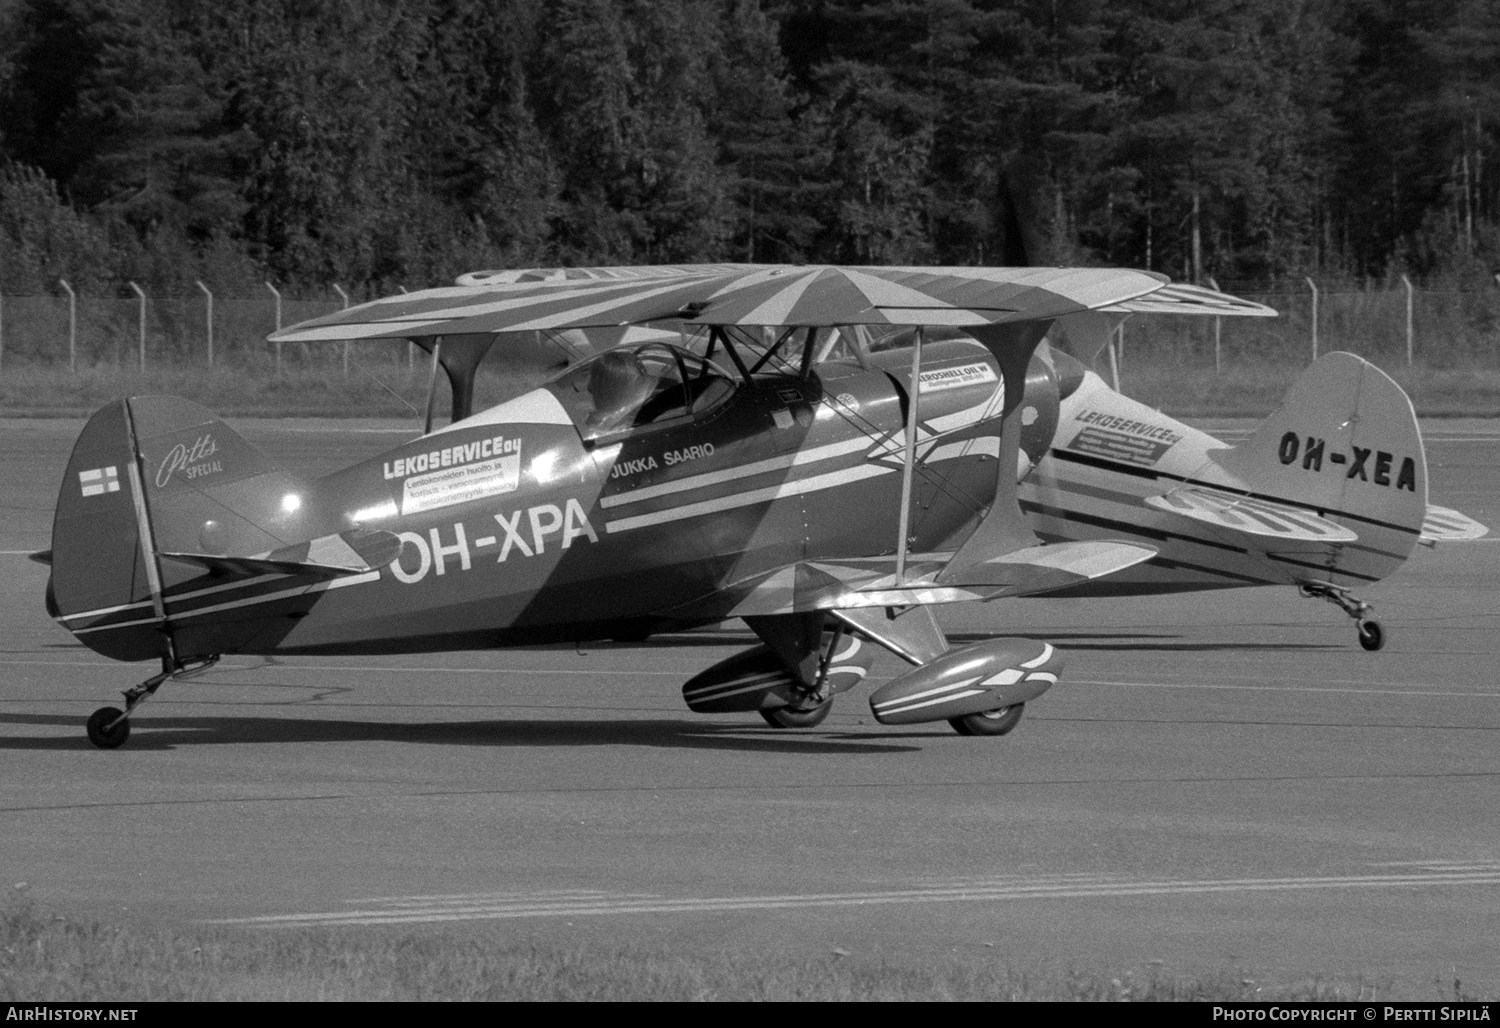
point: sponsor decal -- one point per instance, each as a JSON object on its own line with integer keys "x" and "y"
{"x": 940, "y": 379}
{"x": 1124, "y": 439}
{"x": 848, "y": 400}
{"x": 527, "y": 532}
{"x": 452, "y": 456}
{"x": 1378, "y": 467}
{"x": 1143, "y": 429}
{"x": 191, "y": 461}
{"x": 97, "y": 481}
{"x": 457, "y": 474}
{"x": 783, "y": 418}
{"x": 1103, "y": 442}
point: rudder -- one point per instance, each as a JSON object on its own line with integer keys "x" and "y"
{"x": 169, "y": 468}
{"x": 1345, "y": 441}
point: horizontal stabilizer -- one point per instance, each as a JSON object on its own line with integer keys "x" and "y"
{"x": 330, "y": 556}
{"x": 1442, "y": 525}
{"x": 1251, "y": 516}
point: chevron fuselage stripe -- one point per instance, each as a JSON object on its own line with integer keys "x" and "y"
{"x": 1138, "y": 472}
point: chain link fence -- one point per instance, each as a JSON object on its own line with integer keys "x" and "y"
{"x": 169, "y": 330}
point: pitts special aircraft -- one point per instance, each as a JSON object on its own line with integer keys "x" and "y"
{"x": 829, "y": 460}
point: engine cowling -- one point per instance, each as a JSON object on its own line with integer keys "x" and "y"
{"x": 757, "y": 679}
{"x": 983, "y": 677}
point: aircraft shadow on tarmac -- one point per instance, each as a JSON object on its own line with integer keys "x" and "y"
{"x": 164, "y": 733}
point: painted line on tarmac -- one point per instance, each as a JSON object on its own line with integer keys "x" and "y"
{"x": 393, "y": 669}
{"x": 490, "y": 906}
{"x": 1288, "y": 688}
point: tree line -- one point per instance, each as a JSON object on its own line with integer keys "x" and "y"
{"x": 377, "y": 143}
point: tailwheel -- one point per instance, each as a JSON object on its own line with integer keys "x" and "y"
{"x": 108, "y": 728}
{"x": 989, "y": 722}
{"x": 790, "y": 717}
{"x": 1371, "y": 635}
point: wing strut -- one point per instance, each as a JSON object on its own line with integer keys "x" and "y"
{"x": 437, "y": 349}
{"x": 911, "y": 455}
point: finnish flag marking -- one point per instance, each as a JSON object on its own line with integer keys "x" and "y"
{"x": 99, "y": 480}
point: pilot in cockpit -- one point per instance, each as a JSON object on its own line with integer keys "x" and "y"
{"x": 618, "y": 384}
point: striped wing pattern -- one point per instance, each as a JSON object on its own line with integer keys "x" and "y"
{"x": 1443, "y": 525}
{"x": 1251, "y": 516}
{"x": 718, "y": 294}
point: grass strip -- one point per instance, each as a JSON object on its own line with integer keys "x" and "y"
{"x": 46, "y": 958}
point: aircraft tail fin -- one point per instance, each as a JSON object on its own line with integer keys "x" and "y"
{"x": 1345, "y": 445}
{"x": 151, "y": 476}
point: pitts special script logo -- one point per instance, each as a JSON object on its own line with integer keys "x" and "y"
{"x": 1359, "y": 466}
{"x": 193, "y": 461}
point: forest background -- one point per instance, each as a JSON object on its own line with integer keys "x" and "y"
{"x": 377, "y": 143}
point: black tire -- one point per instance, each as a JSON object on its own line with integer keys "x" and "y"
{"x": 1371, "y": 635}
{"x": 786, "y": 717}
{"x": 989, "y": 722}
{"x": 104, "y": 737}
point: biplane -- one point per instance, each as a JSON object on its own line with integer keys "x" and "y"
{"x": 826, "y": 453}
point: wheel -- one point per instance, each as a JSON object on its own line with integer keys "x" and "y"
{"x": 786, "y": 717}
{"x": 989, "y": 722}
{"x": 107, "y": 738}
{"x": 1371, "y": 635}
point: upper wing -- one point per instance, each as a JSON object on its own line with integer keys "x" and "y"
{"x": 1181, "y": 298}
{"x": 719, "y": 294}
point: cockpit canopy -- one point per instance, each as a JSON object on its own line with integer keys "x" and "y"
{"x": 632, "y": 389}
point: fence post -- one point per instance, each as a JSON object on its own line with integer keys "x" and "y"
{"x": 1407, "y": 282}
{"x": 1218, "y": 325}
{"x": 210, "y": 296}
{"x": 142, "y": 294}
{"x": 1314, "y": 287}
{"x": 411, "y": 347}
{"x": 278, "y": 326}
{"x": 345, "y": 297}
{"x": 72, "y": 326}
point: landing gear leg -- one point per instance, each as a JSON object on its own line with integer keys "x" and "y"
{"x": 1371, "y": 634}
{"x": 109, "y": 727}
{"x": 809, "y": 706}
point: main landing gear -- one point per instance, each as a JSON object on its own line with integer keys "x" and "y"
{"x": 109, "y": 727}
{"x": 810, "y": 706}
{"x": 792, "y": 717}
{"x": 989, "y": 722}
{"x": 1371, "y": 635}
